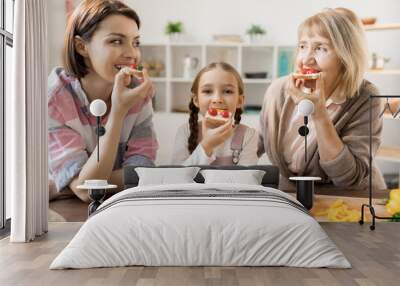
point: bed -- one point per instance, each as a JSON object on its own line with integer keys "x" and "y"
{"x": 201, "y": 224}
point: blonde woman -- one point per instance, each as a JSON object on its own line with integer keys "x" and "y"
{"x": 331, "y": 44}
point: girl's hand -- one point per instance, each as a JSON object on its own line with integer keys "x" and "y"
{"x": 317, "y": 96}
{"x": 212, "y": 137}
{"x": 123, "y": 97}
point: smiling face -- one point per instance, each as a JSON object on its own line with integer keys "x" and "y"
{"x": 218, "y": 89}
{"x": 316, "y": 52}
{"x": 114, "y": 44}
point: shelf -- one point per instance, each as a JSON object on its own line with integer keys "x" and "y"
{"x": 223, "y": 45}
{"x": 257, "y": 80}
{"x": 388, "y": 153}
{"x": 158, "y": 79}
{"x": 182, "y": 79}
{"x": 380, "y": 27}
{"x": 385, "y": 72}
{"x": 152, "y": 44}
{"x": 388, "y": 116}
{"x": 180, "y": 110}
{"x": 184, "y": 44}
{"x": 257, "y": 45}
{"x": 189, "y": 80}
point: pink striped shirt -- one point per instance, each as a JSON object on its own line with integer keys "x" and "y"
{"x": 72, "y": 136}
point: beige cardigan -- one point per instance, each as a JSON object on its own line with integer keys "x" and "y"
{"x": 350, "y": 168}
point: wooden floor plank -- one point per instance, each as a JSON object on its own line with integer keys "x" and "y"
{"x": 375, "y": 258}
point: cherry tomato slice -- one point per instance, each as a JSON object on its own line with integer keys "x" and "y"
{"x": 310, "y": 71}
{"x": 225, "y": 113}
{"x": 212, "y": 111}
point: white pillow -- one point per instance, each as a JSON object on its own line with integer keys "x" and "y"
{"x": 163, "y": 176}
{"x": 249, "y": 177}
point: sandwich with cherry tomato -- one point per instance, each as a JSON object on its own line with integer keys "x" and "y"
{"x": 217, "y": 115}
{"x": 137, "y": 77}
{"x": 137, "y": 69}
{"x": 307, "y": 74}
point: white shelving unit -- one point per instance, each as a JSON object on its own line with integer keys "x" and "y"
{"x": 389, "y": 153}
{"x": 173, "y": 90}
{"x": 380, "y": 27}
{"x": 384, "y": 72}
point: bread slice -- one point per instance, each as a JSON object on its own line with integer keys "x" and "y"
{"x": 308, "y": 76}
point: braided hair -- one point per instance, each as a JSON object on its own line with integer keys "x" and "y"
{"x": 194, "y": 110}
{"x": 238, "y": 115}
{"x": 194, "y": 126}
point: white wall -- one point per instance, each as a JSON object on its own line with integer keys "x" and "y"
{"x": 202, "y": 18}
{"x": 55, "y": 31}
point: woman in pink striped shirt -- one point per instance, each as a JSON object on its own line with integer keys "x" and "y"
{"x": 101, "y": 43}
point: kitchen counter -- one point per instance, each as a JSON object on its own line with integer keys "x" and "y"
{"x": 326, "y": 196}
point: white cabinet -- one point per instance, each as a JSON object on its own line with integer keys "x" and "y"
{"x": 258, "y": 65}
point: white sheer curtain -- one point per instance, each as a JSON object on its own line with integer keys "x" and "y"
{"x": 26, "y": 119}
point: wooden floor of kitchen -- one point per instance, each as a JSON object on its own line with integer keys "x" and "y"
{"x": 374, "y": 255}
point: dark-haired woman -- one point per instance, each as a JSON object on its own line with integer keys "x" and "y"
{"x": 101, "y": 44}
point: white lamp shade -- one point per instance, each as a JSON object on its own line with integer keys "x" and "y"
{"x": 305, "y": 107}
{"x": 98, "y": 107}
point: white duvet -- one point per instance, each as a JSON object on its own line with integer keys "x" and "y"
{"x": 235, "y": 229}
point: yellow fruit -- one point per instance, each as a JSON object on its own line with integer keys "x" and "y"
{"x": 321, "y": 213}
{"x": 337, "y": 203}
{"x": 395, "y": 195}
{"x": 393, "y": 205}
{"x": 339, "y": 211}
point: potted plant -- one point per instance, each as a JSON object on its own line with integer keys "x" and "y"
{"x": 256, "y": 33}
{"x": 174, "y": 30}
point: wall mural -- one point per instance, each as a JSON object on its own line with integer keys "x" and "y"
{"x": 339, "y": 204}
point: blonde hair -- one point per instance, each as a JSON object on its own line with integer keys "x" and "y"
{"x": 346, "y": 34}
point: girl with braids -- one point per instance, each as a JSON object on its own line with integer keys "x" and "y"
{"x": 217, "y": 86}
